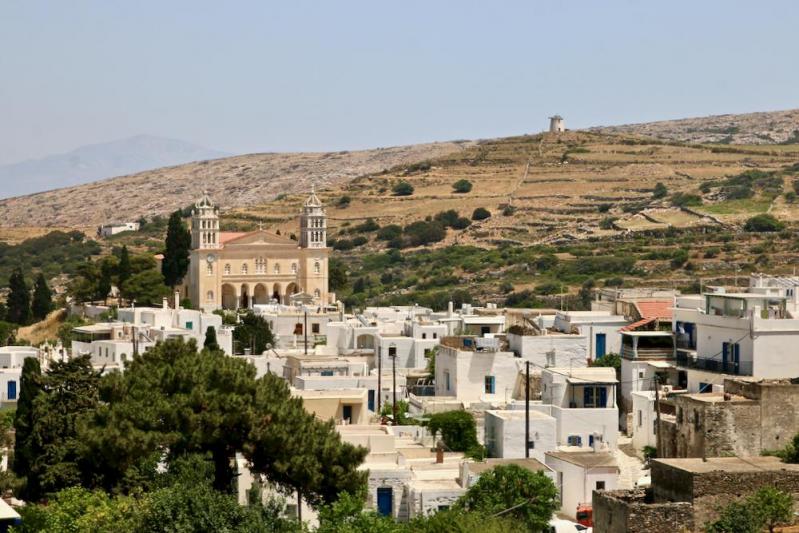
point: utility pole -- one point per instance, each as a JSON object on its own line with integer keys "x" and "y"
{"x": 392, "y": 352}
{"x": 379, "y": 378}
{"x": 305, "y": 328}
{"x": 658, "y": 450}
{"x": 527, "y": 410}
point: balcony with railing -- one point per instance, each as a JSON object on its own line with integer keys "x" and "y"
{"x": 715, "y": 364}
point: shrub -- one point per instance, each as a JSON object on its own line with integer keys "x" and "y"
{"x": 660, "y": 191}
{"x": 457, "y": 429}
{"x": 366, "y": 227}
{"x": 681, "y": 199}
{"x": 462, "y": 186}
{"x": 343, "y": 202}
{"x": 790, "y": 197}
{"x": 424, "y": 232}
{"x": 481, "y": 213}
{"x": 386, "y": 233}
{"x": 604, "y": 208}
{"x": 763, "y": 223}
{"x": 711, "y": 252}
{"x": 402, "y": 188}
{"x": 508, "y": 210}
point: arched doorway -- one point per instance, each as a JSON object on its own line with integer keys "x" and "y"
{"x": 365, "y": 342}
{"x": 259, "y": 295}
{"x": 228, "y": 296}
{"x": 291, "y": 288}
{"x": 244, "y": 300}
{"x": 276, "y": 293}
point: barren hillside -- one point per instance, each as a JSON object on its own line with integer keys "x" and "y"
{"x": 772, "y": 127}
{"x": 234, "y": 181}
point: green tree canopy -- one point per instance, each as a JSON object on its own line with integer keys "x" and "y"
{"x": 30, "y": 387}
{"x": 19, "y": 299}
{"x": 458, "y": 430}
{"x": 529, "y": 497}
{"x": 481, "y": 213}
{"x": 42, "y": 298}
{"x": 146, "y": 287}
{"x": 124, "y": 269}
{"x": 176, "y": 251}
{"x": 660, "y": 191}
{"x": 253, "y": 332}
{"x": 210, "y": 339}
{"x": 763, "y": 222}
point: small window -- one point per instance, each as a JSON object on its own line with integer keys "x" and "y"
{"x": 315, "y": 328}
{"x": 424, "y": 335}
{"x": 293, "y": 268}
{"x": 209, "y": 296}
{"x": 640, "y": 375}
{"x": 244, "y": 268}
{"x": 209, "y": 269}
{"x": 227, "y": 269}
{"x": 446, "y": 379}
{"x": 317, "y": 268}
{"x": 189, "y": 325}
{"x": 600, "y": 485}
{"x": 490, "y": 384}
{"x": 435, "y": 335}
{"x": 277, "y": 268}
{"x": 329, "y": 373}
{"x": 640, "y": 418}
{"x": 575, "y": 440}
{"x": 317, "y": 293}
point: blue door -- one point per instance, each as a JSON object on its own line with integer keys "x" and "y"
{"x": 12, "y": 390}
{"x": 347, "y": 413}
{"x": 371, "y": 400}
{"x": 600, "y": 345}
{"x": 385, "y": 500}
{"x": 603, "y": 397}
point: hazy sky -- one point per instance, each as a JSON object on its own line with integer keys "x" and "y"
{"x": 266, "y": 76}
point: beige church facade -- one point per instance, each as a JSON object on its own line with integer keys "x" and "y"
{"x": 231, "y": 270}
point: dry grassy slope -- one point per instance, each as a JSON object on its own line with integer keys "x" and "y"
{"x": 750, "y": 128}
{"x": 234, "y": 181}
{"x": 556, "y": 198}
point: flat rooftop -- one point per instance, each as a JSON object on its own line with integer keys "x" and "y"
{"x": 754, "y": 463}
{"x": 586, "y": 459}
{"x": 517, "y": 414}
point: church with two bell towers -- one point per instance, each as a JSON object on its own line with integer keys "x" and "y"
{"x": 232, "y": 270}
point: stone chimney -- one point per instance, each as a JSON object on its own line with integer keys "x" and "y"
{"x": 439, "y": 453}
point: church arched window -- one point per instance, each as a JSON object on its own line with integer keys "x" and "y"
{"x": 260, "y": 265}
{"x": 209, "y": 269}
{"x": 317, "y": 268}
{"x": 244, "y": 268}
{"x": 317, "y": 293}
{"x": 227, "y": 269}
{"x": 293, "y": 268}
{"x": 209, "y": 296}
{"x": 277, "y": 268}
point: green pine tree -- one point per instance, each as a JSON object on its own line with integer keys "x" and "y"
{"x": 19, "y": 298}
{"x": 176, "y": 253}
{"x": 42, "y": 298}
{"x": 210, "y": 339}
{"x": 29, "y": 389}
{"x": 104, "y": 283}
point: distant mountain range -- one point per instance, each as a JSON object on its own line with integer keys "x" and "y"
{"x": 98, "y": 161}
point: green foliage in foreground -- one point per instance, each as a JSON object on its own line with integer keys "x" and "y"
{"x": 765, "y": 508}
{"x": 458, "y": 430}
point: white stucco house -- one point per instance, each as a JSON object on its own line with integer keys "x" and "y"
{"x": 579, "y": 474}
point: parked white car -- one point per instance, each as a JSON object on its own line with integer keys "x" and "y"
{"x": 558, "y": 525}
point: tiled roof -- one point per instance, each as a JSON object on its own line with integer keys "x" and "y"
{"x": 226, "y": 236}
{"x": 635, "y": 325}
{"x": 655, "y": 308}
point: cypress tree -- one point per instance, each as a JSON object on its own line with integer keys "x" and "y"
{"x": 176, "y": 252}
{"x": 104, "y": 283}
{"x": 19, "y": 298}
{"x": 210, "y": 339}
{"x": 123, "y": 268}
{"x": 30, "y": 388}
{"x": 42, "y": 298}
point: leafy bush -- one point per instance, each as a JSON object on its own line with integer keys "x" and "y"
{"x": 607, "y": 222}
{"x": 366, "y": 227}
{"x": 763, "y": 223}
{"x": 681, "y": 199}
{"x": 660, "y": 191}
{"x": 457, "y": 429}
{"x": 343, "y": 201}
{"x": 386, "y": 233}
{"x": 423, "y": 232}
{"x": 481, "y": 213}
{"x": 462, "y": 186}
{"x": 402, "y": 188}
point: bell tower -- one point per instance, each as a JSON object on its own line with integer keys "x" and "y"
{"x": 205, "y": 224}
{"x": 313, "y": 223}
